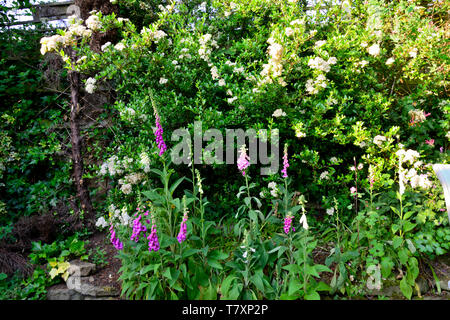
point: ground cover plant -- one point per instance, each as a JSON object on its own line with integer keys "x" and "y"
{"x": 351, "y": 98}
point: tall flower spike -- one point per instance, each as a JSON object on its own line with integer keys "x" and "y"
{"x": 138, "y": 228}
{"x": 243, "y": 161}
{"x": 304, "y": 222}
{"x": 285, "y": 162}
{"x": 159, "y": 138}
{"x": 288, "y": 223}
{"x": 199, "y": 181}
{"x": 153, "y": 243}
{"x": 159, "y": 130}
{"x": 183, "y": 228}
{"x": 114, "y": 240}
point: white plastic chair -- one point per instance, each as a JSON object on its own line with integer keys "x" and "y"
{"x": 443, "y": 173}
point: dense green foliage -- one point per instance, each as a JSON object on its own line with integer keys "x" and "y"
{"x": 359, "y": 95}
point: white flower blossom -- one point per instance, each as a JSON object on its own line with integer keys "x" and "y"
{"x": 374, "y": 50}
{"x": 90, "y": 85}
{"x": 101, "y": 223}
{"x": 279, "y": 113}
{"x": 390, "y": 61}
{"x": 106, "y": 45}
{"x": 378, "y": 140}
{"x": 324, "y": 175}
{"x": 93, "y": 23}
{"x": 120, "y": 46}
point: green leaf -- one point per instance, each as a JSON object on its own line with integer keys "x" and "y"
{"x": 408, "y": 214}
{"x": 189, "y": 252}
{"x": 322, "y": 286}
{"x": 294, "y": 286}
{"x": 253, "y": 215}
{"x": 403, "y": 256}
{"x": 218, "y": 255}
{"x": 406, "y": 288}
{"x": 147, "y": 269}
{"x": 210, "y": 293}
{"x": 408, "y": 226}
{"x": 226, "y": 284}
{"x": 312, "y": 296}
{"x": 292, "y": 268}
{"x": 311, "y": 270}
{"x": 386, "y": 266}
{"x": 175, "y": 185}
{"x": 321, "y": 268}
{"x": 167, "y": 274}
{"x": 411, "y": 246}
{"x": 256, "y": 279}
{"x": 214, "y": 263}
{"x": 235, "y": 291}
{"x": 397, "y": 242}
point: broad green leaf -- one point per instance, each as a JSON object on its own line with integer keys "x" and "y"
{"x": 386, "y": 266}
{"x": 397, "y": 242}
{"x": 312, "y": 296}
{"x": 403, "y": 256}
{"x": 226, "y": 284}
{"x": 406, "y": 288}
{"x": 214, "y": 263}
{"x": 294, "y": 286}
{"x": 292, "y": 268}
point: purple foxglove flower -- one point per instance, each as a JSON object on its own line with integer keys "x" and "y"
{"x": 288, "y": 224}
{"x": 153, "y": 243}
{"x": 243, "y": 161}
{"x": 285, "y": 163}
{"x": 159, "y": 138}
{"x": 183, "y": 229}
{"x": 114, "y": 240}
{"x": 138, "y": 228}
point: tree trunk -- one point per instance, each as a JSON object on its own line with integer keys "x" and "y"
{"x": 75, "y": 138}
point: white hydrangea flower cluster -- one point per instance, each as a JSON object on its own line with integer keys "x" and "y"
{"x": 322, "y": 65}
{"x": 273, "y": 189}
{"x": 374, "y": 50}
{"x": 313, "y": 86}
{"x": 324, "y": 175}
{"x": 120, "y": 216}
{"x": 106, "y": 45}
{"x": 94, "y": 23}
{"x": 90, "y": 85}
{"x": 128, "y": 181}
{"x": 233, "y": 7}
{"x": 119, "y": 46}
{"x": 411, "y": 175}
{"x": 101, "y": 223}
{"x": 417, "y": 116}
{"x": 359, "y": 65}
{"x": 112, "y": 166}
{"x": 76, "y": 29}
{"x": 206, "y": 45}
{"x": 279, "y": 113}
{"x": 378, "y": 140}
{"x": 299, "y": 130}
{"x": 149, "y": 35}
{"x": 185, "y": 54}
{"x": 273, "y": 69}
